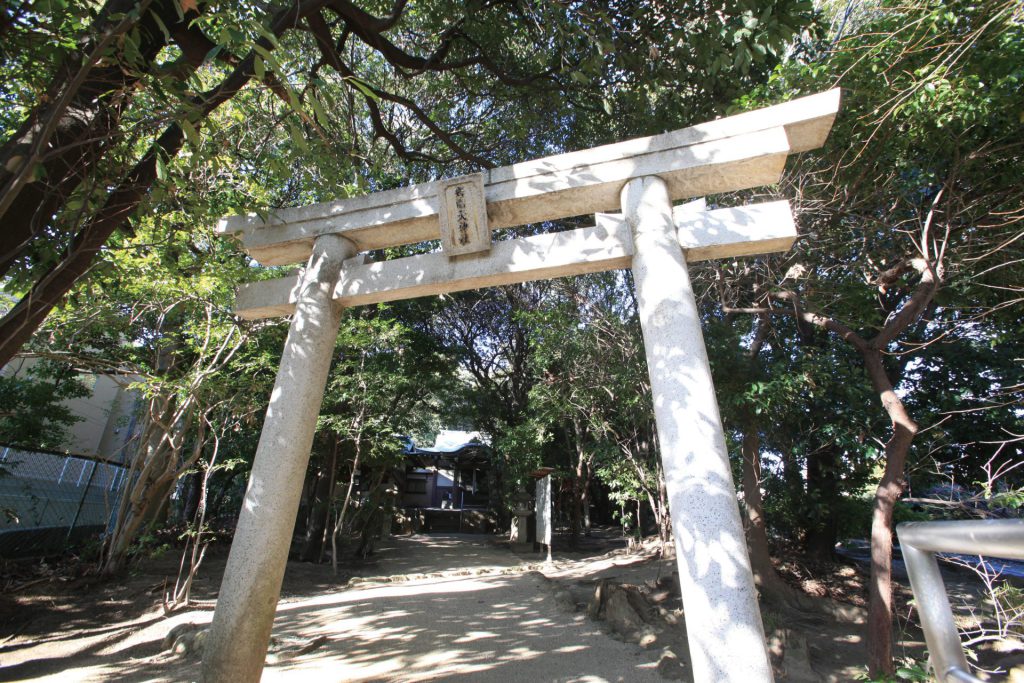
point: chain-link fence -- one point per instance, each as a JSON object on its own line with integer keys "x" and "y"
{"x": 48, "y": 502}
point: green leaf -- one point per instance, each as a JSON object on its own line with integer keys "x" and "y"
{"x": 190, "y": 132}
{"x": 161, "y": 166}
{"x": 363, "y": 87}
{"x": 161, "y": 25}
{"x": 297, "y": 137}
{"x": 318, "y": 109}
{"x": 268, "y": 34}
{"x": 212, "y": 54}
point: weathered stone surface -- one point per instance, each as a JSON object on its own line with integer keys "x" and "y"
{"x": 719, "y": 156}
{"x": 739, "y": 231}
{"x": 797, "y": 662}
{"x": 294, "y": 647}
{"x": 626, "y": 610}
{"x": 670, "y": 617}
{"x": 648, "y": 637}
{"x": 671, "y": 667}
{"x": 542, "y": 504}
{"x": 722, "y": 615}
{"x": 463, "y": 215}
{"x": 186, "y": 640}
{"x": 176, "y": 632}
{"x": 791, "y": 657}
{"x": 565, "y": 599}
{"x": 620, "y": 614}
{"x": 252, "y": 579}
{"x": 596, "y": 601}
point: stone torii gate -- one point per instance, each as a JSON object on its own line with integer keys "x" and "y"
{"x": 643, "y": 177}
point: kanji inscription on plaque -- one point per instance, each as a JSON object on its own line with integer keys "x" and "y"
{"x": 463, "y": 214}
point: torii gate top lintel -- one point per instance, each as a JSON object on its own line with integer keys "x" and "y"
{"x": 728, "y": 154}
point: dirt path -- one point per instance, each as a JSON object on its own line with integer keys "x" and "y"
{"x": 455, "y": 607}
{"x": 439, "y": 608}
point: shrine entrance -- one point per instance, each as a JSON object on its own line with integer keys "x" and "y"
{"x": 641, "y": 178}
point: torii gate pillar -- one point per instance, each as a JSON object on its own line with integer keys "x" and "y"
{"x": 723, "y": 622}
{"x": 238, "y": 638}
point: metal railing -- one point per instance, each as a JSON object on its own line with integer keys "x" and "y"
{"x": 49, "y": 502}
{"x": 919, "y": 542}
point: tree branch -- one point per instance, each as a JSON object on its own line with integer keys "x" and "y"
{"x": 931, "y": 276}
{"x": 19, "y": 324}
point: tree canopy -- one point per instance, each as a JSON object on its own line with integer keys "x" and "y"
{"x": 876, "y": 365}
{"x": 109, "y": 108}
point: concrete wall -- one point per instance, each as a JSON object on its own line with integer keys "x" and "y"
{"x": 105, "y": 416}
{"x": 51, "y": 498}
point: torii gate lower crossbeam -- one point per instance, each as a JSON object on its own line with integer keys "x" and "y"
{"x": 723, "y": 621}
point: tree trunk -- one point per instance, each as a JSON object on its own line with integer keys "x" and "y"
{"x": 664, "y": 518}
{"x": 765, "y": 576}
{"x": 372, "y": 521}
{"x": 822, "y": 518}
{"x": 195, "y": 488}
{"x": 29, "y": 313}
{"x": 344, "y": 508}
{"x": 576, "y": 509}
{"x": 224, "y": 486}
{"x": 183, "y": 585}
{"x": 64, "y": 137}
{"x": 880, "y": 615}
{"x": 18, "y": 325}
{"x": 792, "y": 474}
{"x": 154, "y": 473}
{"x": 316, "y": 516}
{"x": 574, "y": 512}
{"x": 320, "y": 509}
{"x": 585, "y": 498}
{"x": 149, "y": 441}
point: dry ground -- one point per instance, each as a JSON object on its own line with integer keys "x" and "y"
{"x": 427, "y": 607}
